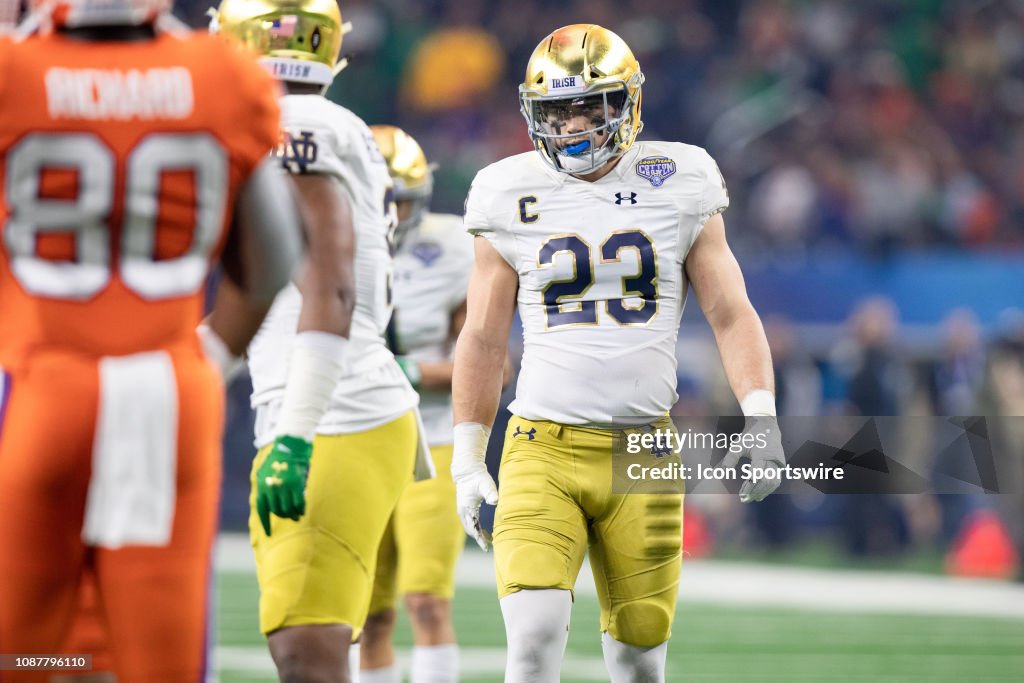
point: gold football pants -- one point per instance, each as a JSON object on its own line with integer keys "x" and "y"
{"x": 556, "y": 502}
{"x": 319, "y": 569}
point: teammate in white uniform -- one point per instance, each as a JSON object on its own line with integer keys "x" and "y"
{"x": 325, "y": 386}
{"x": 596, "y": 238}
{"x": 326, "y": 139}
{"x": 417, "y": 557}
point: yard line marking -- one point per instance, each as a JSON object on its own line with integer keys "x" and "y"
{"x": 752, "y": 585}
{"x": 472, "y": 661}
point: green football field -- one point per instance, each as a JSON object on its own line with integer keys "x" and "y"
{"x": 709, "y": 643}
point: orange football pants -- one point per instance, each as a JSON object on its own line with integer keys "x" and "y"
{"x": 153, "y": 599}
{"x": 89, "y": 628}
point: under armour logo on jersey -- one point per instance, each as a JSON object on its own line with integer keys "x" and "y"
{"x": 297, "y": 151}
{"x": 529, "y": 434}
{"x": 619, "y": 198}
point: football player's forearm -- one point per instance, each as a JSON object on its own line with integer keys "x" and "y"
{"x": 477, "y": 377}
{"x": 318, "y": 349}
{"x": 327, "y": 280}
{"x": 327, "y": 286}
{"x": 236, "y": 317}
{"x": 327, "y": 305}
{"x": 436, "y": 376}
{"x": 745, "y": 354}
{"x": 266, "y": 245}
{"x": 327, "y": 283}
{"x": 506, "y": 370}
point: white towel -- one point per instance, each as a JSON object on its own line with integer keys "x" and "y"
{"x": 424, "y": 468}
{"x": 134, "y": 465}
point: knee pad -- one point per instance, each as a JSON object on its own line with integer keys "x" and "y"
{"x": 530, "y": 566}
{"x": 643, "y": 623}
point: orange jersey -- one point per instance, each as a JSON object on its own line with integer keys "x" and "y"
{"x": 121, "y": 162}
{"x": 119, "y": 168}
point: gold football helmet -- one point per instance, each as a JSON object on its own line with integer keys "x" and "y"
{"x": 412, "y": 175}
{"x": 578, "y": 73}
{"x": 299, "y": 40}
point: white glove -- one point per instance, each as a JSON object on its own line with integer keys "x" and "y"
{"x": 473, "y": 484}
{"x": 761, "y": 429}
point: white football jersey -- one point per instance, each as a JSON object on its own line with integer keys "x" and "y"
{"x": 432, "y": 268}
{"x": 322, "y": 137}
{"x": 601, "y": 280}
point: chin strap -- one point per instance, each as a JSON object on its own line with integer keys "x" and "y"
{"x": 340, "y": 65}
{"x": 343, "y": 61}
{"x": 214, "y": 25}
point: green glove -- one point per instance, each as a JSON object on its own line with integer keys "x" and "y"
{"x": 411, "y": 369}
{"x": 281, "y": 480}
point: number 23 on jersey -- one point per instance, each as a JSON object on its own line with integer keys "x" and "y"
{"x": 565, "y": 301}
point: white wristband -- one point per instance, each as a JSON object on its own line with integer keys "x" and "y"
{"x": 758, "y": 402}
{"x": 470, "y": 438}
{"x": 316, "y": 366}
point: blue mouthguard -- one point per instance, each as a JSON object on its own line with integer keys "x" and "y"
{"x": 578, "y": 148}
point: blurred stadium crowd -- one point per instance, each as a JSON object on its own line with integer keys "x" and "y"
{"x": 869, "y": 370}
{"x": 875, "y": 128}
{"x": 877, "y": 123}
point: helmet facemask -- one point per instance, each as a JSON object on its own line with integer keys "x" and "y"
{"x": 412, "y": 175}
{"x": 578, "y": 134}
{"x": 419, "y": 199}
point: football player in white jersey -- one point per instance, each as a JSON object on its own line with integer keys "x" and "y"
{"x": 433, "y": 260}
{"x": 596, "y": 238}
{"x": 335, "y": 415}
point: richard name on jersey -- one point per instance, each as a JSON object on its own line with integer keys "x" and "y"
{"x": 593, "y": 255}
{"x": 323, "y": 137}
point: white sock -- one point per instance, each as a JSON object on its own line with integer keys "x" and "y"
{"x": 387, "y": 674}
{"x": 353, "y": 663}
{"x": 435, "y": 664}
{"x": 536, "y": 628}
{"x": 632, "y": 664}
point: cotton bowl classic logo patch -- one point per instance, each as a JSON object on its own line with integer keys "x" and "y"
{"x": 656, "y": 169}
{"x": 427, "y": 252}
